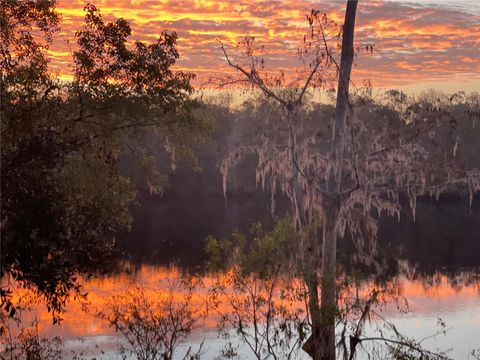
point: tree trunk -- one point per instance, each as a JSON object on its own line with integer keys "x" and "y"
{"x": 328, "y": 302}
{"x": 334, "y": 184}
{"x": 322, "y": 346}
{"x": 310, "y": 262}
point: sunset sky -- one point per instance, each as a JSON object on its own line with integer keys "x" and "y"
{"x": 417, "y": 45}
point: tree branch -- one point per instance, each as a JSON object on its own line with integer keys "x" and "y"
{"x": 253, "y": 77}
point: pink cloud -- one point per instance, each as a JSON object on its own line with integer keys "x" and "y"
{"x": 413, "y": 42}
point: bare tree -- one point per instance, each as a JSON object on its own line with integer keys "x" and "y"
{"x": 362, "y": 305}
{"x": 285, "y": 158}
{"x": 153, "y": 324}
{"x": 345, "y": 183}
{"x": 267, "y": 315}
{"x": 29, "y": 345}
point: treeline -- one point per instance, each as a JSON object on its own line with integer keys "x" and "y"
{"x": 171, "y": 227}
{"x": 74, "y": 154}
{"x": 244, "y": 122}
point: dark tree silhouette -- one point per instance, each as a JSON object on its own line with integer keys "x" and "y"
{"x": 63, "y": 196}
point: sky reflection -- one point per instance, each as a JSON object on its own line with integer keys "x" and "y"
{"x": 454, "y": 299}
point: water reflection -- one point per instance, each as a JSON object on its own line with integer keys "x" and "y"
{"x": 436, "y": 276}
{"x": 173, "y": 228}
{"x": 455, "y": 299}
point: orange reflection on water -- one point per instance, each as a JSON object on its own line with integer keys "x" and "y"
{"x": 424, "y": 296}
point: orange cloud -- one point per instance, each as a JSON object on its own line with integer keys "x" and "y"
{"x": 413, "y": 42}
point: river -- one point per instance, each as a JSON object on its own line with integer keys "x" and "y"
{"x": 438, "y": 273}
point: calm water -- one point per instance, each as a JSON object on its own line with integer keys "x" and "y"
{"x": 441, "y": 250}
{"x": 456, "y": 300}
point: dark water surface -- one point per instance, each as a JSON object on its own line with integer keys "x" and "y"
{"x": 443, "y": 244}
{"x": 435, "y": 261}
{"x": 173, "y": 229}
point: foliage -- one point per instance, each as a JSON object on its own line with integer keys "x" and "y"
{"x": 430, "y": 153}
{"x": 256, "y": 251}
{"x": 142, "y": 74}
{"x": 64, "y": 197}
{"x": 255, "y": 295}
{"x": 360, "y": 304}
{"x": 416, "y": 149}
{"x": 22, "y": 59}
{"x": 474, "y": 354}
{"x": 262, "y": 304}
{"x": 28, "y": 345}
{"x": 266, "y": 314}
{"x": 346, "y": 182}
{"x": 392, "y": 147}
{"x": 154, "y": 324}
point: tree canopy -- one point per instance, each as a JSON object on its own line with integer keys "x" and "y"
{"x": 64, "y": 198}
